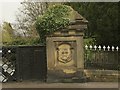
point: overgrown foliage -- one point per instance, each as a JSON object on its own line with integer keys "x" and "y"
{"x": 89, "y": 41}
{"x": 55, "y": 18}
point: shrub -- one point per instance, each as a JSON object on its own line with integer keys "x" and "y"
{"x": 55, "y": 18}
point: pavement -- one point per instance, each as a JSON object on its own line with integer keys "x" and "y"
{"x": 37, "y": 84}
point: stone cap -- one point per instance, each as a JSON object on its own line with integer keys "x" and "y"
{"x": 78, "y": 19}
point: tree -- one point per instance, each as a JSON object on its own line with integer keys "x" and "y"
{"x": 28, "y": 14}
{"x": 103, "y": 21}
{"x": 56, "y": 17}
{"x": 7, "y": 33}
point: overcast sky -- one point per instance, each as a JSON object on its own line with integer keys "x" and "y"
{"x": 8, "y": 10}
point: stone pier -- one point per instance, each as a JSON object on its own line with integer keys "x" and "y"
{"x": 65, "y": 52}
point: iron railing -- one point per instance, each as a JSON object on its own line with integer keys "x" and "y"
{"x": 98, "y": 57}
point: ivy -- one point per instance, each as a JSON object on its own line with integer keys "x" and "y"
{"x": 55, "y": 18}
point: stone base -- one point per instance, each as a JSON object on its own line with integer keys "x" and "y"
{"x": 60, "y": 76}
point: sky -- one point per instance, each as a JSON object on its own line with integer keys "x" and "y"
{"x": 8, "y": 10}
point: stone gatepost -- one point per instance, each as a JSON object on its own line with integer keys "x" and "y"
{"x": 65, "y": 52}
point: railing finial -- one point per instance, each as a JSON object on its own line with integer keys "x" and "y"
{"x": 113, "y": 48}
{"x": 117, "y": 48}
{"x": 108, "y": 48}
{"x": 90, "y": 47}
{"x": 86, "y": 47}
{"x": 99, "y": 47}
{"x": 95, "y": 47}
{"x": 104, "y": 48}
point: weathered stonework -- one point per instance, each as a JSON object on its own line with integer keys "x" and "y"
{"x": 65, "y": 58}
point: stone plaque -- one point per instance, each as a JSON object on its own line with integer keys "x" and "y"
{"x": 64, "y": 54}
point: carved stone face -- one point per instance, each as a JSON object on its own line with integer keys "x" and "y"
{"x": 64, "y": 53}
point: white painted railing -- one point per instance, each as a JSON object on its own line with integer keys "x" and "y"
{"x": 99, "y": 47}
